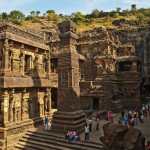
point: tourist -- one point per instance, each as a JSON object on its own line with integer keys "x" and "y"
{"x": 98, "y": 115}
{"x": 140, "y": 116}
{"x": 129, "y": 122}
{"x": 135, "y": 116}
{"x": 125, "y": 119}
{"x": 132, "y": 122}
{"x": 89, "y": 122}
{"x": 97, "y": 124}
{"x": 77, "y": 138}
{"x": 110, "y": 117}
{"x": 71, "y": 136}
{"x": 122, "y": 114}
{"x": 46, "y": 123}
{"x": 130, "y": 114}
{"x": 49, "y": 125}
{"x": 86, "y": 132}
{"x": 67, "y": 136}
{"x": 148, "y": 145}
{"x": 144, "y": 110}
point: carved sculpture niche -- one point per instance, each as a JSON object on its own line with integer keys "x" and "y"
{"x": 105, "y": 65}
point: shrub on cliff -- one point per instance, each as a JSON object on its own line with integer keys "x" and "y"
{"x": 16, "y": 17}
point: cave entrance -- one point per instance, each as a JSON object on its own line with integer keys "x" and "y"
{"x": 95, "y": 103}
{"x": 54, "y": 98}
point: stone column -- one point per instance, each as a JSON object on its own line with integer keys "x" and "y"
{"x": 22, "y": 104}
{"x": 70, "y": 115}
{"x": 6, "y": 55}
{"x": 22, "y": 57}
{"x": 5, "y": 99}
{"x": 11, "y": 104}
{"x": 41, "y": 104}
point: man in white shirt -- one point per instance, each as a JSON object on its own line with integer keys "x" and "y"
{"x": 86, "y": 132}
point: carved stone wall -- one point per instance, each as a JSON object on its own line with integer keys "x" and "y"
{"x": 140, "y": 39}
{"x": 25, "y": 85}
{"x": 103, "y": 52}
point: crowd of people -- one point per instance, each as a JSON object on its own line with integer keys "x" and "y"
{"x": 72, "y": 136}
{"x": 131, "y": 119}
{"x": 128, "y": 118}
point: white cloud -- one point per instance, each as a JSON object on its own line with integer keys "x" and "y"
{"x": 8, "y": 5}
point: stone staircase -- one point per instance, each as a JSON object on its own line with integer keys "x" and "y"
{"x": 44, "y": 140}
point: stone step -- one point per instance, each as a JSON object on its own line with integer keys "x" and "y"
{"x": 30, "y": 146}
{"x": 54, "y": 142}
{"x": 41, "y": 145}
{"x": 60, "y": 138}
{"x": 25, "y": 146}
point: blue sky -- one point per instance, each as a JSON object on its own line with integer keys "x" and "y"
{"x": 69, "y": 6}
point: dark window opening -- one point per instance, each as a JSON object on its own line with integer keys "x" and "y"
{"x": 95, "y": 103}
{"x": 125, "y": 66}
{"x": 54, "y": 65}
{"x": 27, "y": 64}
{"x": 54, "y": 98}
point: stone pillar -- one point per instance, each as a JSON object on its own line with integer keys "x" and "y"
{"x": 5, "y": 99}
{"x": 11, "y": 105}
{"x": 6, "y": 55}
{"x": 22, "y": 57}
{"x": 23, "y": 104}
{"x": 41, "y": 104}
{"x": 69, "y": 116}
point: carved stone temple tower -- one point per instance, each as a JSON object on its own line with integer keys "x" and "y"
{"x": 69, "y": 115}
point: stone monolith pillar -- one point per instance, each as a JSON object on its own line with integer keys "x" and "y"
{"x": 69, "y": 115}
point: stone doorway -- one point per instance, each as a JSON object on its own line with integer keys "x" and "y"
{"x": 95, "y": 103}
{"x": 54, "y": 98}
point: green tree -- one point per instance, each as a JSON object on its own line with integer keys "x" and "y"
{"x": 133, "y": 9}
{"x": 4, "y": 16}
{"x": 118, "y": 9}
{"x": 35, "y": 13}
{"x": 34, "y": 16}
{"x": 54, "y": 17}
{"x": 141, "y": 18}
{"x": 133, "y": 6}
{"x": 16, "y": 17}
{"x": 95, "y": 13}
{"x": 50, "y": 12}
{"x": 78, "y": 17}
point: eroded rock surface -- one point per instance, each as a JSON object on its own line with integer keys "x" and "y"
{"x": 120, "y": 137}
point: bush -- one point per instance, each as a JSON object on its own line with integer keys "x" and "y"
{"x": 16, "y": 17}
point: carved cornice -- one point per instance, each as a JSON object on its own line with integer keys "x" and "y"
{"x": 24, "y": 40}
{"x": 22, "y": 35}
{"x": 17, "y": 30}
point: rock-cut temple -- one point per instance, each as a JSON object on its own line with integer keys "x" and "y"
{"x": 61, "y": 74}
